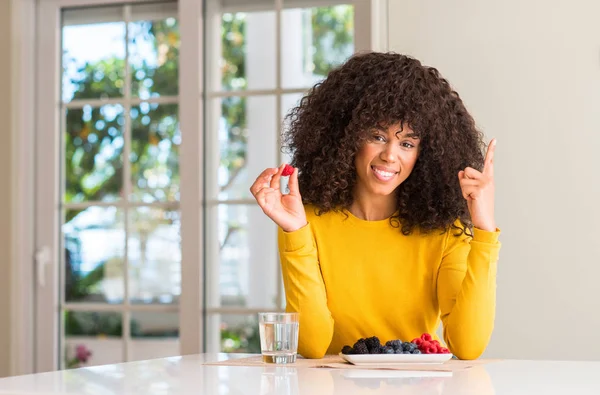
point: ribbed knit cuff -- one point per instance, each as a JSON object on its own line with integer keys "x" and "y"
{"x": 298, "y": 239}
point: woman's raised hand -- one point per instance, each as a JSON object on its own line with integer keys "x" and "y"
{"x": 287, "y": 211}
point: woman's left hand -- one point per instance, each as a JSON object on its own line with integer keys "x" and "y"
{"x": 478, "y": 189}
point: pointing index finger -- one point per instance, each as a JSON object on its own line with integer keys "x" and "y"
{"x": 488, "y": 166}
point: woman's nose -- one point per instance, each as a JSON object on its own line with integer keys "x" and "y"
{"x": 390, "y": 154}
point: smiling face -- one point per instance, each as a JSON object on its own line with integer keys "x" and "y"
{"x": 385, "y": 160}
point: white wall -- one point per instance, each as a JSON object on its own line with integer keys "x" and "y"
{"x": 530, "y": 73}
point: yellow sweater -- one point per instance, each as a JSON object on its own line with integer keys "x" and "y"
{"x": 350, "y": 278}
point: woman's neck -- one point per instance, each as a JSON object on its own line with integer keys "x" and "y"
{"x": 373, "y": 208}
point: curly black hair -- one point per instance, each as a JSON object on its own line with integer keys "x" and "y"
{"x": 326, "y": 129}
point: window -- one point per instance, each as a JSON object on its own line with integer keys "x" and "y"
{"x": 119, "y": 215}
{"x": 262, "y": 59}
{"x": 158, "y": 247}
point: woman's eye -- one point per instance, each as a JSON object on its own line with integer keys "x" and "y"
{"x": 407, "y": 145}
{"x": 378, "y": 138}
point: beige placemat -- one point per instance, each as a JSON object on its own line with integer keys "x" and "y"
{"x": 336, "y": 362}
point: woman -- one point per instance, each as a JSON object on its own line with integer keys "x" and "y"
{"x": 388, "y": 226}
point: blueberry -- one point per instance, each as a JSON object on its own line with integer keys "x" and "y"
{"x": 407, "y": 346}
{"x": 417, "y": 351}
{"x": 388, "y": 350}
{"x": 399, "y": 351}
{"x": 406, "y": 352}
{"x": 395, "y": 344}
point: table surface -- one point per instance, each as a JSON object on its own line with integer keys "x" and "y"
{"x": 188, "y": 375}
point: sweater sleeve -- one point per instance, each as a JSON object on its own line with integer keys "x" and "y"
{"x": 305, "y": 290}
{"x": 466, "y": 290}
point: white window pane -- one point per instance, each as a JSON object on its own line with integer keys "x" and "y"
{"x": 243, "y": 144}
{"x": 93, "y": 159}
{"x": 154, "y": 157}
{"x": 94, "y": 242}
{"x": 93, "y": 61}
{"x": 102, "y": 351}
{"x": 236, "y": 333}
{"x": 313, "y": 42}
{"x": 97, "y": 332}
{"x": 154, "y": 324}
{"x": 154, "y": 253}
{"x": 241, "y": 257}
{"x": 154, "y": 57}
{"x": 242, "y": 56}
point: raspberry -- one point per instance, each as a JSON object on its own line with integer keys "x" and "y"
{"x": 445, "y": 350}
{"x": 373, "y": 344}
{"x": 426, "y": 337}
{"x": 429, "y": 350}
{"x": 430, "y": 347}
{"x": 418, "y": 341}
{"x": 287, "y": 170}
{"x": 347, "y": 350}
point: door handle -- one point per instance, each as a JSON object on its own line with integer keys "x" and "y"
{"x": 42, "y": 259}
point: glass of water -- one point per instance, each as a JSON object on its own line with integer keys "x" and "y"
{"x": 278, "y": 336}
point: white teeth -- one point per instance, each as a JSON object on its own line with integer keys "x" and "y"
{"x": 383, "y": 173}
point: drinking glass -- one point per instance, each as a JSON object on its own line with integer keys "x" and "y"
{"x": 279, "y": 337}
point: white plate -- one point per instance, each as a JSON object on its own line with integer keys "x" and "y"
{"x": 395, "y": 359}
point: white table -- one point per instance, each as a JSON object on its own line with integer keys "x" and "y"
{"x": 187, "y": 375}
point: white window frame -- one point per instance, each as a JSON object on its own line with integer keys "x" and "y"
{"x": 48, "y": 298}
{"x": 43, "y": 18}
